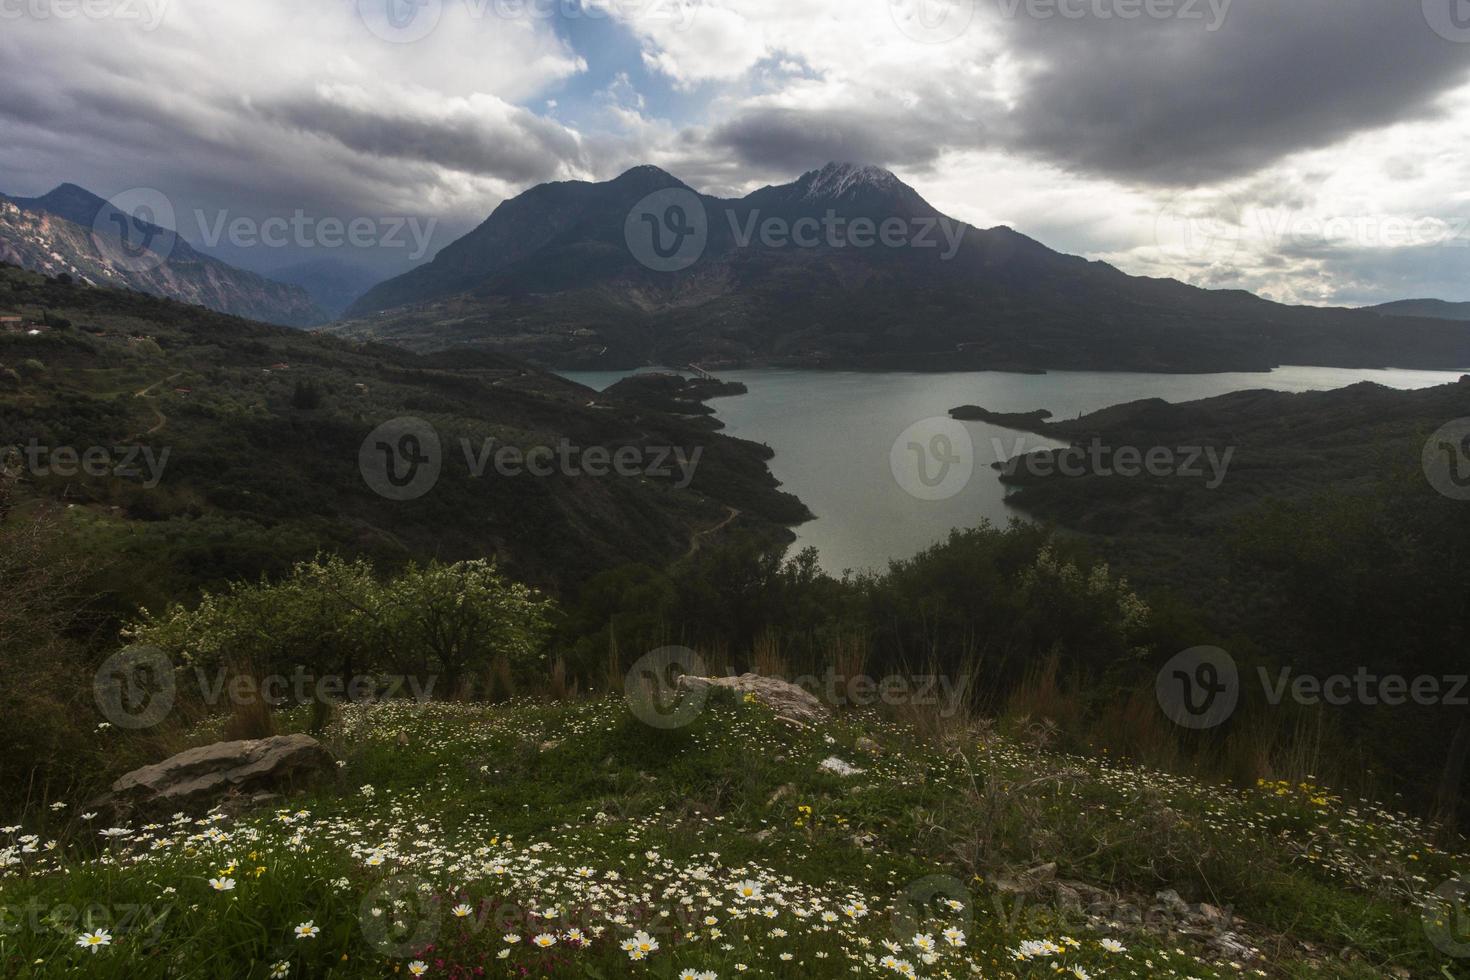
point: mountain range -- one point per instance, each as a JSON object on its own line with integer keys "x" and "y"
{"x": 74, "y": 232}
{"x": 563, "y": 275}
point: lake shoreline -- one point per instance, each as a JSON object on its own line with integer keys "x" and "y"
{"x": 833, "y": 436}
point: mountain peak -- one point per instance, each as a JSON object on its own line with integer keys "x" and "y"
{"x": 71, "y": 190}
{"x": 72, "y": 194}
{"x": 644, "y": 170}
{"x": 646, "y": 177}
{"x": 840, "y": 180}
{"x": 69, "y": 201}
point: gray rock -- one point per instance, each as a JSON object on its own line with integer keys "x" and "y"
{"x": 789, "y": 702}
{"x": 781, "y": 793}
{"x": 1067, "y": 898}
{"x": 1214, "y": 916}
{"x": 1169, "y": 902}
{"x": 1031, "y": 882}
{"x": 1233, "y": 947}
{"x": 838, "y": 767}
{"x": 199, "y": 778}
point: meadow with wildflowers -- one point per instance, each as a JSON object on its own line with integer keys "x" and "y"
{"x": 532, "y": 839}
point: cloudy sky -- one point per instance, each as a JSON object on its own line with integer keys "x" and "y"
{"x": 1311, "y": 150}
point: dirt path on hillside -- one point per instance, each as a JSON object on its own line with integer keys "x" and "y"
{"x": 701, "y": 535}
{"x": 162, "y": 419}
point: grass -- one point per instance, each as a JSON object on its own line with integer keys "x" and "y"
{"x": 454, "y": 835}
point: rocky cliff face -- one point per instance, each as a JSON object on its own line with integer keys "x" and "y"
{"x": 49, "y": 243}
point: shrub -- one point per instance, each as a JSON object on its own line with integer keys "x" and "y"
{"x": 333, "y": 617}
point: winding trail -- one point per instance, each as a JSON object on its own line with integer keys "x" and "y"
{"x": 158, "y": 412}
{"x": 700, "y": 535}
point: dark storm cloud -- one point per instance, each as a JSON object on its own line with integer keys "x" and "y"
{"x": 1167, "y": 101}
{"x": 1216, "y": 91}
{"x": 794, "y": 140}
{"x": 515, "y": 145}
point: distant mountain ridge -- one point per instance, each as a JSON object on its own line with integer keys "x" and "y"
{"x": 70, "y": 230}
{"x": 1436, "y": 309}
{"x": 333, "y": 284}
{"x": 551, "y": 276}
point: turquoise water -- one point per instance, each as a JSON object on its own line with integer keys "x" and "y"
{"x": 834, "y": 435}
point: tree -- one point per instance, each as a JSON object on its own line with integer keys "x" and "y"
{"x": 1379, "y": 582}
{"x": 306, "y": 396}
{"x": 333, "y": 617}
{"x": 46, "y": 743}
{"x": 454, "y": 619}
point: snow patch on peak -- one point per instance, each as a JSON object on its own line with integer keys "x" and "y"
{"x": 836, "y": 180}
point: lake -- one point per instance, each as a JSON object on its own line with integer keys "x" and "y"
{"x": 887, "y": 472}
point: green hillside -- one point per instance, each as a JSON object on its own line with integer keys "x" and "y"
{"x": 263, "y": 428}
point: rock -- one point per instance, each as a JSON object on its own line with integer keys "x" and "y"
{"x": 1169, "y": 902}
{"x": 237, "y": 804}
{"x": 1043, "y": 872}
{"x": 1214, "y": 916}
{"x": 1089, "y": 893}
{"x": 869, "y": 746}
{"x": 1233, "y": 947}
{"x": 1028, "y": 882}
{"x": 1128, "y": 915}
{"x": 835, "y": 765}
{"x": 1067, "y": 898}
{"x": 788, "y": 701}
{"x": 781, "y": 793}
{"x": 199, "y": 778}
